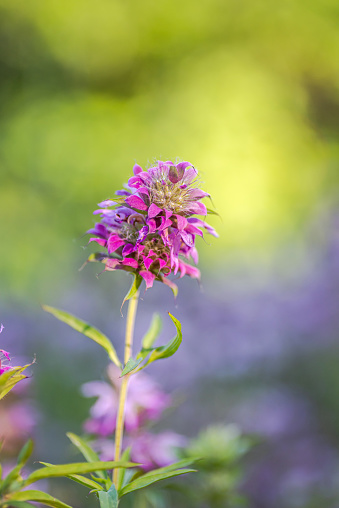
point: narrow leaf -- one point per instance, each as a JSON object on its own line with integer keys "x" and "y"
{"x": 167, "y": 469}
{"x": 85, "y": 329}
{"x": 153, "y": 332}
{"x": 169, "y": 349}
{"x": 137, "y": 280}
{"x": 121, "y": 471}
{"x": 36, "y": 495}
{"x": 76, "y": 468}
{"x": 17, "y": 504}
{"x": 131, "y": 365}
{"x": 142, "y": 482}
{"x": 89, "y": 454}
{"x": 86, "y": 482}
{"x": 109, "y": 499}
{"x": 26, "y": 452}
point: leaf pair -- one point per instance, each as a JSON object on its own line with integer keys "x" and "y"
{"x": 157, "y": 353}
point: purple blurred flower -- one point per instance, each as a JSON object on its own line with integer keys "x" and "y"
{"x": 145, "y": 402}
{"x": 150, "y": 450}
{"x": 155, "y": 450}
{"x": 151, "y": 223}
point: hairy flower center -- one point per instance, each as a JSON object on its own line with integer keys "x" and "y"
{"x": 128, "y": 232}
{"x": 170, "y": 196}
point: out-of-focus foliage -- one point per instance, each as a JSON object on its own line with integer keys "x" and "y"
{"x": 246, "y": 91}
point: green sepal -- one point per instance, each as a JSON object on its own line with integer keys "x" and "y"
{"x": 37, "y": 496}
{"x": 212, "y": 212}
{"x": 109, "y": 499}
{"x": 144, "y": 481}
{"x": 87, "y": 330}
{"x": 89, "y": 454}
{"x": 25, "y": 452}
{"x": 130, "y": 366}
{"x": 137, "y": 280}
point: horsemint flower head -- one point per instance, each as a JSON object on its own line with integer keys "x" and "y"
{"x": 151, "y": 226}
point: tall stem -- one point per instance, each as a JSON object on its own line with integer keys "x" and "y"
{"x": 119, "y": 430}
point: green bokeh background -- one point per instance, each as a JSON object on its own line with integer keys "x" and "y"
{"x": 247, "y": 91}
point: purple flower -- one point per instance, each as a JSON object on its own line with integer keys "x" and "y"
{"x": 149, "y": 450}
{"x": 155, "y": 450}
{"x": 145, "y": 402}
{"x": 150, "y": 227}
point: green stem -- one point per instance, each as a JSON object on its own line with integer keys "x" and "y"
{"x": 119, "y": 430}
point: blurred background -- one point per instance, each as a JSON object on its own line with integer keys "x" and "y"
{"x": 249, "y": 93}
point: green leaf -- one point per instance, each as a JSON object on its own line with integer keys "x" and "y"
{"x": 89, "y": 454}
{"x": 121, "y": 472}
{"x": 85, "y": 329}
{"x": 137, "y": 280}
{"x": 143, "y": 481}
{"x": 167, "y": 469}
{"x": 109, "y": 499}
{"x": 12, "y": 477}
{"x": 131, "y": 365}
{"x": 18, "y": 504}
{"x": 26, "y": 452}
{"x": 10, "y": 378}
{"x": 153, "y": 332}
{"x": 75, "y": 468}
{"x": 169, "y": 349}
{"x": 36, "y": 495}
{"x": 86, "y": 482}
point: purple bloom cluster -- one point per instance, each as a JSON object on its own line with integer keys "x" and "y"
{"x": 145, "y": 403}
{"x": 150, "y": 227}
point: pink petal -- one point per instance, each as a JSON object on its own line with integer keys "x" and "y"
{"x": 114, "y": 242}
{"x": 181, "y": 221}
{"x": 6, "y": 355}
{"x": 100, "y": 241}
{"x": 133, "y": 263}
{"x": 152, "y": 226}
{"x": 168, "y": 214}
{"x": 198, "y": 194}
{"x": 198, "y": 208}
{"x": 137, "y": 169}
{"x": 153, "y": 210}
{"x": 129, "y": 247}
{"x": 164, "y": 224}
{"x": 135, "y": 182}
{"x": 193, "y": 230}
{"x": 189, "y": 270}
{"x": 148, "y": 261}
{"x": 107, "y": 202}
{"x": 136, "y": 202}
{"x": 183, "y": 165}
{"x": 148, "y": 278}
{"x": 190, "y": 174}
